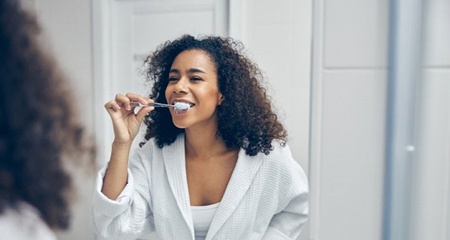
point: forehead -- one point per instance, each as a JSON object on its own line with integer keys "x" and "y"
{"x": 194, "y": 58}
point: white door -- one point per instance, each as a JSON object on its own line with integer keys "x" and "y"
{"x": 127, "y": 31}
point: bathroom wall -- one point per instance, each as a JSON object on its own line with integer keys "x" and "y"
{"x": 431, "y": 191}
{"x": 280, "y": 42}
{"x": 349, "y": 76}
{"x": 67, "y": 33}
{"x": 336, "y": 121}
{"x": 348, "y": 135}
{"x": 68, "y": 26}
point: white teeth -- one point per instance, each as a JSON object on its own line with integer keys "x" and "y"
{"x": 181, "y": 106}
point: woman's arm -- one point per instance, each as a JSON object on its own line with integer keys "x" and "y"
{"x": 116, "y": 175}
{"x": 288, "y": 223}
{"x": 130, "y": 215}
{"x": 293, "y": 205}
{"x": 121, "y": 209}
{"x": 126, "y": 126}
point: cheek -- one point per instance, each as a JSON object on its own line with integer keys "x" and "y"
{"x": 167, "y": 93}
{"x": 214, "y": 97}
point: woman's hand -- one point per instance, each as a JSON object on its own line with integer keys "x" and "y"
{"x": 126, "y": 122}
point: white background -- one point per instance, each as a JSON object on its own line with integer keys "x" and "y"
{"x": 337, "y": 128}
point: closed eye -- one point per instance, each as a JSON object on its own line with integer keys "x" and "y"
{"x": 173, "y": 79}
{"x": 196, "y": 78}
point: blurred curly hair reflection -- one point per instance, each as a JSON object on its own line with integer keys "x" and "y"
{"x": 246, "y": 117}
{"x": 39, "y": 129}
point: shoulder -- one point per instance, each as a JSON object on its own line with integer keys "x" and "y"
{"x": 280, "y": 156}
{"x": 280, "y": 164}
{"x": 280, "y": 150}
{"x": 24, "y": 223}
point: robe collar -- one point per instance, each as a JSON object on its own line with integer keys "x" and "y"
{"x": 241, "y": 179}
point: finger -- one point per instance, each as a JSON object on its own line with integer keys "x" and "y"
{"x": 143, "y": 112}
{"x": 149, "y": 100}
{"x": 112, "y": 105}
{"x": 144, "y": 100}
{"x": 134, "y": 97}
{"x": 137, "y": 98}
{"x": 123, "y": 101}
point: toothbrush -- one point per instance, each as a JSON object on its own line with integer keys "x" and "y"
{"x": 179, "y": 106}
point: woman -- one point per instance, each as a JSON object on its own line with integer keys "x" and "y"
{"x": 39, "y": 133}
{"x": 219, "y": 170}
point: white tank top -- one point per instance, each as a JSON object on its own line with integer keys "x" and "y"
{"x": 202, "y": 217}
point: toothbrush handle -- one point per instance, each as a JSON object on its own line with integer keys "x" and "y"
{"x": 137, "y": 104}
{"x": 160, "y": 105}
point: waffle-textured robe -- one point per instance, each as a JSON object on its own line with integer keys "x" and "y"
{"x": 266, "y": 198}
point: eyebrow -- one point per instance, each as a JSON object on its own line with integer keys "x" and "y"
{"x": 190, "y": 70}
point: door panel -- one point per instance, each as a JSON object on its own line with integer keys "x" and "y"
{"x": 127, "y": 31}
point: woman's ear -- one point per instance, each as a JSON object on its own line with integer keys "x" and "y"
{"x": 221, "y": 98}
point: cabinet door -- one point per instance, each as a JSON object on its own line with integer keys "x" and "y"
{"x": 127, "y": 31}
{"x": 139, "y": 27}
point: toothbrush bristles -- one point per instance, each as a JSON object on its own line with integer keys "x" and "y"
{"x": 180, "y": 106}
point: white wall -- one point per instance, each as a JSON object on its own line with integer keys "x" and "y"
{"x": 431, "y": 194}
{"x": 278, "y": 36}
{"x": 68, "y": 34}
{"x": 348, "y": 95}
{"x": 348, "y": 118}
{"x": 69, "y": 25}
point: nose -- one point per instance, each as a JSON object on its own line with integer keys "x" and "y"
{"x": 181, "y": 86}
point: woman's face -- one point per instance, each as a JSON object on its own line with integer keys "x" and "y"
{"x": 193, "y": 79}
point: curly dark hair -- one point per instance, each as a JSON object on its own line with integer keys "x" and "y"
{"x": 245, "y": 118}
{"x": 39, "y": 128}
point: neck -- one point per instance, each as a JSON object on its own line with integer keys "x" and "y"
{"x": 204, "y": 144}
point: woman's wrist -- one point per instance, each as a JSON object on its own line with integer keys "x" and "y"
{"x": 121, "y": 144}
{"x": 120, "y": 151}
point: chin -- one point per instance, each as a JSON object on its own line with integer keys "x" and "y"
{"x": 180, "y": 125}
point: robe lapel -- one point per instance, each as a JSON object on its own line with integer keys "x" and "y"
{"x": 242, "y": 177}
{"x": 175, "y": 166}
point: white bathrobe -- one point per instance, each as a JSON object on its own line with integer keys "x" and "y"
{"x": 24, "y": 223}
{"x": 266, "y": 198}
